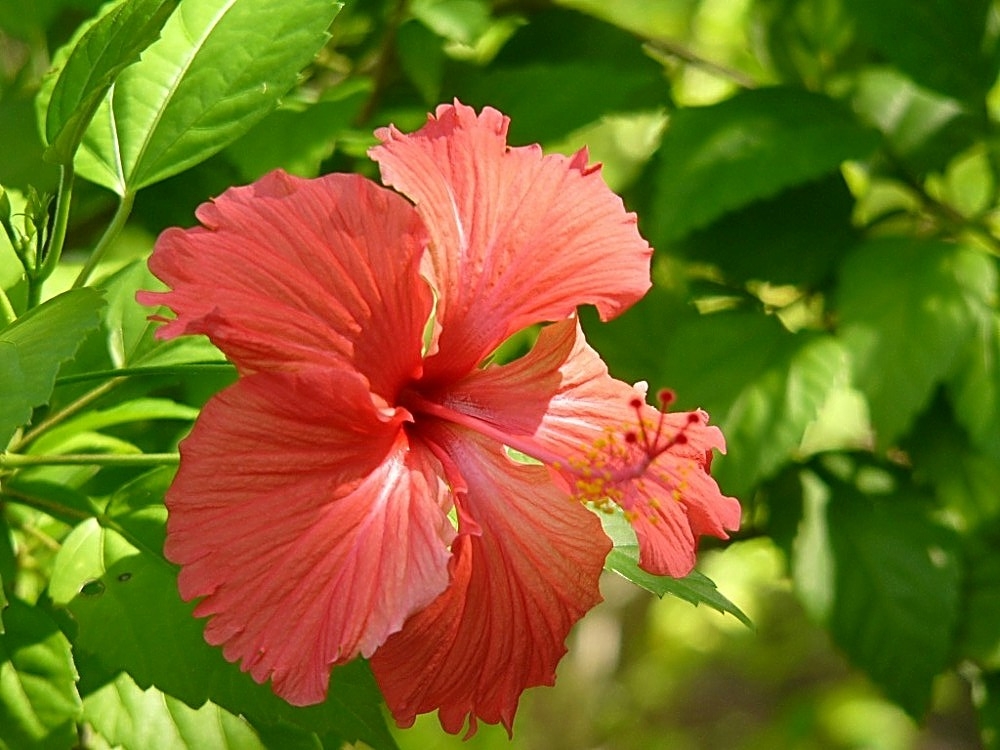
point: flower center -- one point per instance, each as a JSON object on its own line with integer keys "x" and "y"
{"x": 598, "y": 475}
{"x": 621, "y": 456}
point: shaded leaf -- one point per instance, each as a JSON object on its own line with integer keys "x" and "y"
{"x": 975, "y": 387}
{"x": 718, "y": 158}
{"x": 136, "y": 410}
{"x": 943, "y": 44}
{"x": 298, "y": 138}
{"x": 895, "y": 599}
{"x": 96, "y": 57}
{"x": 695, "y": 588}
{"x": 548, "y": 90}
{"x": 979, "y": 637}
{"x": 34, "y": 346}
{"x": 762, "y": 384}
{"x": 965, "y": 480}
{"x": 921, "y": 127}
{"x": 907, "y": 309}
{"x": 795, "y": 237}
{"x": 130, "y": 616}
{"x": 988, "y": 703}
{"x": 39, "y": 704}
{"x": 138, "y": 511}
{"x": 218, "y": 68}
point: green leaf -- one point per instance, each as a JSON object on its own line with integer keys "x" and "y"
{"x": 907, "y": 308}
{"x": 895, "y": 602}
{"x": 102, "y": 51}
{"x": 695, "y": 588}
{"x": 127, "y": 716}
{"x": 138, "y": 511}
{"x": 298, "y": 138}
{"x": 941, "y": 44}
{"x": 218, "y": 68}
{"x": 921, "y": 128}
{"x": 979, "y": 637}
{"x": 34, "y": 346}
{"x": 975, "y": 387}
{"x": 988, "y": 703}
{"x": 39, "y": 704}
{"x": 58, "y": 500}
{"x": 136, "y": 410}
{"x": 421, "y": 57}
{"x": 718, "y": 158}
{"x": 462, "y": 21}
{"x": 762, "y": 384}
{"x": 764, "y": 240}
{"x": 3, "y": 605}
{"x": 124, "y": 599}
{"x": 965, "y": 480}
{"x": 548, "y": 90}
{"x": 130, "y": 332}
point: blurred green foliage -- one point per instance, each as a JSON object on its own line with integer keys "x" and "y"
{"x": 820, "y": 180}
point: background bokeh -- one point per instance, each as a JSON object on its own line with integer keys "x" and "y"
{"x": 820, "y": 181}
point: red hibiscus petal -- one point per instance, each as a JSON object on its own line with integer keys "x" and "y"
{"x": 306, "y": 523}
{"x": 516, "y": 237}
{"x": 560, "y": 397}
{"x": 525, "y": 567}
{"x": 288, "y": 271}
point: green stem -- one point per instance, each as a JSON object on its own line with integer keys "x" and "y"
{"x": 50, "y": 507}
{"x": 47, "y": 258}
{"x": 122, "y": 372}
{"x": 19, "y": 460}
{"x": 67, "y": 411}
{"x": 109, "y": 236}
{"x": 7, "y": 314}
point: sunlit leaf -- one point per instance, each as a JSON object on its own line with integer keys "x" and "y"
{"x": 218, "y": 68}
{"x": 718, "y": 158}
{"x": 895, "y": 598}
{"x": 127, "y": 716}
{"x": 462, "y": 21}
{"x": 103, "y": 49}
{"x": 695, "y": 588}
{"x": 34, "y": 346}
{"x": 920, "y": 126}
{"x": 39, "y": 704}
{"x": 908, "y": 308}
{"x": 130, "y": 616}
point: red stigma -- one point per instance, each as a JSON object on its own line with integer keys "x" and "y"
{"x": 666, "y": 397}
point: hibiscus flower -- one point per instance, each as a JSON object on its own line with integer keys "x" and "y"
{"x": 358, "y": 491}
